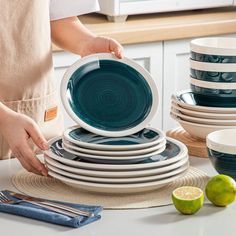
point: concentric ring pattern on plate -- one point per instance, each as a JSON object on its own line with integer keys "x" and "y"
{"x": 174, "y": 151}
{"x": 143, "y": 139}
{"x": 109, "y": 97}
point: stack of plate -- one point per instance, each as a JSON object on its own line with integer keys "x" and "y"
{"x": 112, "y": 150}
{"x": 210, "y": 105}
{"x": 135, "y": 175}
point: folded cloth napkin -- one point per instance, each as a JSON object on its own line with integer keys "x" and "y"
{"x": 35, "y": 212}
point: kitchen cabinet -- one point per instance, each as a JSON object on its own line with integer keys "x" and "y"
{"x": 147, "y": 55}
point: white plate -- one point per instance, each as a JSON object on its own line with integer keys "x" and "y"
{"x": 206, "y": 115}
{"x": 110, "y": 57}
{"x": 199, "y": 130}
{"x": 160, "y": 148}
{"x": 160, "y": 136}
{"x": 119, "y": 180}
{"x": 194, "y": 107}
{"x": 116, "y": 188}
{"x": 151, "y": 149}
{"x": 140, "y": 166}
{"x": 203, "y": 121}
{"x": 118, "y": 174}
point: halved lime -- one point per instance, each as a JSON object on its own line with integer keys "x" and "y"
{"x": 187, "y": 199}
{"x": 221, "y": 190}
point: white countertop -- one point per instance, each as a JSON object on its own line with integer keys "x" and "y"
{"x": 162, "y": 221}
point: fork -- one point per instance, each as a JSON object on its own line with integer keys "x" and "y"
{"x": 65, "y": 211}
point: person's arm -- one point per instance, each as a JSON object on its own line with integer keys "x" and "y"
{"x": 17, "y": 129}
{"x": 71, "y": 35}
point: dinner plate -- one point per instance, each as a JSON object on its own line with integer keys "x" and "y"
{"x": 116, "y": 188}
{"x": 205, "y": 115}
{"x": 119, "y": 180}
{"x": 72, "y": 146}
{"x": 109, "y": 97}
{"x": 174, "y": 151}
{"x": 118, "y": 174}
{"x": 186, "y": 99}
{"x": 143, "y": 139}
{"x": 115, "y": 159}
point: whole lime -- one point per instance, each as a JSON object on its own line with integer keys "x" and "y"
{"x": 187, "y": 199}
{"x": 221, "y": 190}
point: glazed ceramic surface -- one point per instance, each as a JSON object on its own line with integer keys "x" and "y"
{"x": 187, "y": 99}
{"x": 173, "y": 152}
{"x": 214, "y": 46}
{"x": 202, "y": 120}
{"x": 199, "y": 130}
{"x": 212, "y": 58}
{"x": 205, "y": 115}
{"x": 109, "y": 97}
{"x": 117, "y": 173}
{"x": 119, "y": 180}
{"x": 116, "y": 188}
{"x": 143, "y": 139}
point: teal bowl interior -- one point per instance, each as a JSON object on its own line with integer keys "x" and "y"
{"x": 212, "y": 58}
{"x": 224, "y": 77}
{"x": 109, "y": 95}
{"x": 223, "y": 163}
{"x": 214, "y": 97}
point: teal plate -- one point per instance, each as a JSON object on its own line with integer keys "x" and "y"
{"x": 140, "y": 140}
{"x": 108, "y": 96}
{"x": 172, "y": 150}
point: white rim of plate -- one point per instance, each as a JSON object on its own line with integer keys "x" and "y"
{"x": 119, "y": 180}
{"x": 117, "y": 174}
{"x": 222, "y": 147}
{"x": 113, "y": 147}
{"x": 208, "y": 121}
{"x": 199, "y": 114}
{"x": 161, "y": 148}
{"x": 108, "y": 56}
{"x": 212, "y": 85}
{"x": 183, "y": 152}
{"x": 177, "y": 118}
{"x": 204, "y": 46}
{"x": 176, "y": 98}
{"x": 115, "y": 186}
{"x": 74, "y": 147}
{"x": 213, "y": 67}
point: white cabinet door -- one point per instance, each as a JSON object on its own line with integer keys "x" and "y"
{"x": 176, "y": 75}
{"x": 147, "y": 55}
{"x": 150, "y": 56}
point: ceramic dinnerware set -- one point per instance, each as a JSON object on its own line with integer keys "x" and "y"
{"x": 210, "y": 105}
{"x": 112, "y": 150}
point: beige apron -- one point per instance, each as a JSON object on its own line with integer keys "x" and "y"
{"x": 26, "y": 70}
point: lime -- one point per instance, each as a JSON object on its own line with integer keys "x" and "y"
{"x": 221, "y": 190}
{"x": 187, "y": 199}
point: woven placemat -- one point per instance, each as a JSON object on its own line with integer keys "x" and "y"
{"x": 53, "y": 189}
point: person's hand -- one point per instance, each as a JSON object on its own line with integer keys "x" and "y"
{"x": 102, "y": 44}
{"x": 17, "y": 129}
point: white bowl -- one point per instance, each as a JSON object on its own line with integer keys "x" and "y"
{"x": 212, "y": 85}
{"x": 199, "y": 130}
{"x": 214, "y": 45}
{"x": 205, "y": 115}
{"x": 223, "y": 141}
{"x": 213, "y": 67}
{"x": 202, "y": 120}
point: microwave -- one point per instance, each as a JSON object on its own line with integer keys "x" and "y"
{"x": 119, "y": 10}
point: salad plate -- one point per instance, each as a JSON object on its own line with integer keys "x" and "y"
{"x": 109, "y": 97}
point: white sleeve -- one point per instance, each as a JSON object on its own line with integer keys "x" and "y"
{"x": 60, "y": 9}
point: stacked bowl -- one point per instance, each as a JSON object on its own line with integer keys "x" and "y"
{"x": 210, "y": 105}
{"x": 112, "y": 150}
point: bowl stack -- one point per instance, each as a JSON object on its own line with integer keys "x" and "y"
{"x": 112, "y": 150}
{"x": 210, "y": 105}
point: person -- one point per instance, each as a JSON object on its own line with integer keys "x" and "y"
{"x": 28, "y": 102}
